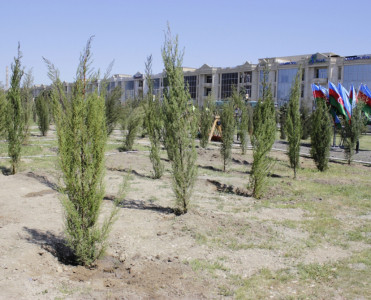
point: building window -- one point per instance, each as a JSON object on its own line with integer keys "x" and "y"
{"x": 286, "y": 78}
{"x": 321, "y": 73}
{"x": 357, "y": 74}
{"x": 302, "y": 91}
{"x": 302, "y": 75}
{"x": 228, "y": 81}
{"x": 339, "y": 73}
{"x": 245, "y": 77}
{"x": 190, "y": 82}
{"x": 209, "y": 79}
{"x": 207, "y": 91}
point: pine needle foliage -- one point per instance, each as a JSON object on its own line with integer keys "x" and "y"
{"x": 2, "y": 113}
{"x": 42, "y": 104}
{"x": 306, "y": 122}
{"x": 153, "y": 122}
{"x": 352, "y": 131}
{"x": 250, "y": 114}
{"x": 81, "y": 131}
{"x": 113, "y": 108}
{"x": 179, "y": 125}
{"x": 132, "y": 122}
{"x": 262, "y": 139}
{"x": 206, "y": 120}
{"x": 282, "y": 120}
{"x": 293, "y": 124}
{"x": 228, "y": 123}
{"x": 14, "y": 114}
{"x": 320, "y": 136}
{"x": 27, "y": 103}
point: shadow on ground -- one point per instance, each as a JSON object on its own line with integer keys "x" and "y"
{"x": 56, "y": 245}
{"x": 143, "y": 205}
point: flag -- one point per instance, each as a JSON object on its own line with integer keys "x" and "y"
{"x": 320, "y": 92}
{"x": 353, "y": 99}
{"x": 345, "y": 96}
{"x": 364, "y": 94}
{"x": 335, "y": 117}
{"x": 335, "y": 100}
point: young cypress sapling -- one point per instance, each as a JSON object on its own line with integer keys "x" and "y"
{"x": 153, "y": 122}
{"x": 262, "y": 139}
{"x": 179, "y": 125}
{"x": 14, "y": 115}
{"x": 321, "y": 136}
{"x": 81, "y": 131}
{"x": 228, "y": 123}
{"x": 293, "y": 124}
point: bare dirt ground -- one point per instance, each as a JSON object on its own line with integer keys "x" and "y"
{"x": 226, "y": 237}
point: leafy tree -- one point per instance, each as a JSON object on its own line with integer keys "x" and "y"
{"x": 153, "y": 122}
{"x": 282, "y": 120}
{"x": 262, "y": 139}
{"x": 81, "y": 131}
{"x": 113, "y": 108}
{"x": 228, "y": 122}
{"x": 27, "y": 103}
{"x": 206, "y": 120}
{"x": 2, "y": 113}
{"x": 42, "y": 104}
{"x": 179, "y": 124}
{"x": 293, "y": 125}
{"x": 321, "y": 136}
{"x": 305, "y": 120}
{"x": 14, "y": 114}
{"x": 352, "y": 131}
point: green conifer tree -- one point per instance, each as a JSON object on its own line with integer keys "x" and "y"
{"x": 179, "y": 124}
{"x": 14, "y": 114}
{"x": 321, "y": 136}
{"x": 262, "y": 139}
{"x": 306, "y": 122}
{"x": 244, "y": 128}
{"x": 2, "y": 113}
{"x": 352, "y": 131}
{"x": 113, "y": 108}
{"x": 81, "y": 131}
{"x": 228, "y": 123}
{"x": 250, "y": 114}
{"x": 153, "y": 122}
{"x": 282, "y": 120}
{"x": 293, "y": 125}
{"x": 132, "y": 122}
{"x": 42, "y": 109}
{"x": 27, "y": 103}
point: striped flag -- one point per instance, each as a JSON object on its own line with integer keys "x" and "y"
{"x": 336, "y": 101}
{"x": 345, "y": 96}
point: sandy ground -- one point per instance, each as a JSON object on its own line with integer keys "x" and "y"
{"x": 151, "y": 250}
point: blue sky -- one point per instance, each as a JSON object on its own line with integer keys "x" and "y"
{"x": 219, "y": 33}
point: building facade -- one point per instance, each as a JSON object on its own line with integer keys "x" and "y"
{"x": 318, "y": 68}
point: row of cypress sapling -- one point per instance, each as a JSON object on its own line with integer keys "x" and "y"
{"x": 82, "y": 134}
